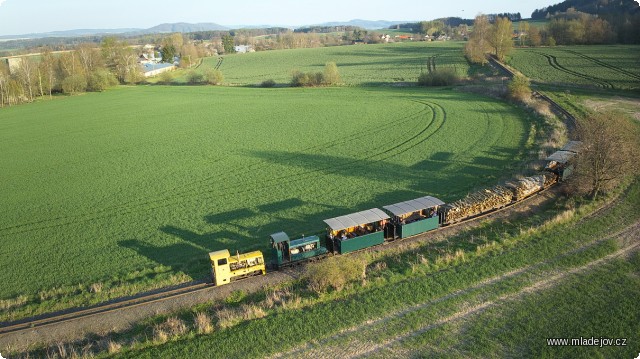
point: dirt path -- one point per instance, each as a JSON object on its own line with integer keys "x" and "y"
{"x": 353, "y": 343}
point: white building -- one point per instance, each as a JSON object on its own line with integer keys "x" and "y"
{"x": 243, "y": 49}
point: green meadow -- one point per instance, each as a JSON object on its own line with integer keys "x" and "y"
{"x": 603, "y": 66}
{"x": 131, "y": 188}
{"x": 358, "y": 64}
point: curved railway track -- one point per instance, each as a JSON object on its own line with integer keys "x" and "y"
{"x": 570, "y": 119}
{"x": 191, "y": 288}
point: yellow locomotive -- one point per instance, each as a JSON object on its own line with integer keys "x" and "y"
{"x": 225, "y": 267}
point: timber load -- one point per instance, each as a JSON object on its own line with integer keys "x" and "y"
{"x": 476, "y": 203}
{"x": 527, "y": 186}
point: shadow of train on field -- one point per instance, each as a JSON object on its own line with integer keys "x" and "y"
{"x": 181, "y": 257}
{"x": 441, "y": 174}
{"x": 236, "y": 233}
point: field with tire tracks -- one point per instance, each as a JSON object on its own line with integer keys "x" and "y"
{"x": 607, "y": 67}
{"x": 133, "y": 187}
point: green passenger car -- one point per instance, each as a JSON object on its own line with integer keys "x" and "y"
{"x": 356, "y": 231}
{"x": 414, "y": 217}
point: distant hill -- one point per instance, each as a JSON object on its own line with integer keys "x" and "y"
{"x": 162, "y": 28}
{"x": 70, "y": 33}
{"x": 365, "y": 24}
{"x": 185, "y": 27}
{"x": 595, "y": 7}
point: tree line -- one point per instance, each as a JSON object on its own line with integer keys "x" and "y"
{"x": 498, "y": 37}
{"x": 622, "y": 17}
{"x": 88, "y": 67}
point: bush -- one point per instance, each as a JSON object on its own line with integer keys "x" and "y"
{"x": 74, "y": 84}
{"x": 520, "y": 88}
{"x": 334, "y": 273}
{"x": 213, "y": 77}
{"x": 195, "y": 78}
{"x": 307, "y": 79}
{"x": 439, "y": 77}
{"x": 101, "y": 80}
{"x": 331, "y": 74}
{"x": 268, "y": 83}
{"x": 166, "y": 77}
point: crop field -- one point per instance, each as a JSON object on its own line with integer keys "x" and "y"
{"x": 609, "y": 67}
{"x": 501, "y": 295}
{"x": 358, "y": 64}
{"x": 136, "y": 185}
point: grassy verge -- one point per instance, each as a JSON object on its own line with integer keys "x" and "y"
{"x": 601, "y": 303}
{"x": 404, "y": 281}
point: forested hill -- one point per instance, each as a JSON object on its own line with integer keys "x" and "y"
{"x": 604, "y": 8}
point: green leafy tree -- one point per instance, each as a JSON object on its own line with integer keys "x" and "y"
{"x": 168, "y": 53}
{"x": 228, "y": 44}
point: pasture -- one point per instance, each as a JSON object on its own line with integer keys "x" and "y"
{"x": 608, "y": 67}
{"x": 134, "y": 186}
{"x": 358, "y": 64}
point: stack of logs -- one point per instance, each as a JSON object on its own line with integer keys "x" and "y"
{"x": 476, "y": 203}
{"x": 529, "y": 185}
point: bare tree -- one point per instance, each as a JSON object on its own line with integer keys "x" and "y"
{"x": 523, "y": 31}
{"x": 609, "y": 154}
{"x": 89, "y": 57}
{"x": 4, "y": 84}
{"x": 47, "y": 72}
{"x": 478, "y": 44}
{"x": 27, "y": 73}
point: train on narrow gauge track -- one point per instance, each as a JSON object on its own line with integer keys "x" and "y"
{"x": 364, "y": 229}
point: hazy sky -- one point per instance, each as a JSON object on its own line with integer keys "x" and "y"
{"x": 32, "y": 16}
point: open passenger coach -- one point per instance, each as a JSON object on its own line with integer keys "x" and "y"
{"x": 356, "y": 231}
{"x": 413, "y": 217}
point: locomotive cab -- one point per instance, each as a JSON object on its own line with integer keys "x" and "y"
{"x": 225, "y": 267}
{"x": 286, "y": 251}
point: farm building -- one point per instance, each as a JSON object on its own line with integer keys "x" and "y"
{"x": 152, "y": 69}
{"x": 243, "y": 49}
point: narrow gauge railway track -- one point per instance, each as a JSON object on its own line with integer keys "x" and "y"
{"x": 68, "y": 315}
{"x": 570, "y": 119}
{"x": 191, "y": 288}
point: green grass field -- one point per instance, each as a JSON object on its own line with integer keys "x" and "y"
{"x": 609, "y": 67}
{"x": 500, "y": 300}
{"x": 134, "y": 186}
{"x": 358, "y": 64}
